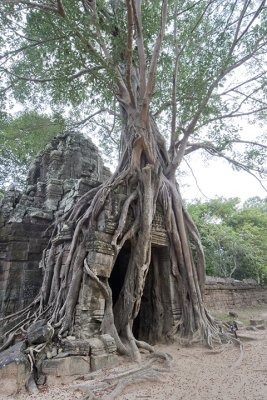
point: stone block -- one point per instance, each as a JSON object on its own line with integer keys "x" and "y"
{"x": 14, "y": 369}
{"x": 255, "y": 322}
{"x": 76, "y": 347}
{"x": 67, "y": 366}
{"x": 39, "y": 332}
{"x": 97, "y": 346}
{"x": 103, "y": 361}
{"x": 109, "y": 343}
{"x": 101, "y": 263}
{"x": 261, "y": 327}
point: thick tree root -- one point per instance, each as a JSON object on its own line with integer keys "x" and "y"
{"x": 109, "y": 388}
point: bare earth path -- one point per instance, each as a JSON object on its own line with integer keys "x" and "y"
{"x": 196, "y": 374}
{"x": 200, "y": 374}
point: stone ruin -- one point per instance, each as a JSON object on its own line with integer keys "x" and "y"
{"x": 65, "y": 170}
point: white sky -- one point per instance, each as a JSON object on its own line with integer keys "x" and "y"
{"x": 217, "y": 179}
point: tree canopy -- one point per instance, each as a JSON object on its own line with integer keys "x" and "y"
{"x": 82, "y": 55}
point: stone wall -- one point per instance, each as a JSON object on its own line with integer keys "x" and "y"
{"x": 64, "y": 171}
{"x": 231, "y": 294}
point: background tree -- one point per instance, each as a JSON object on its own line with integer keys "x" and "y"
{"x": 179, "y": 70}
{"x": 233, "y": 237}
{"x": 21, "y": 138}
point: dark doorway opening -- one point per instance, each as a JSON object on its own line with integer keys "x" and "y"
{"x": 155, "y": 311}
{"x": 118, "y": 273}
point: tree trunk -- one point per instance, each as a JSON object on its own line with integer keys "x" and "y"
{"x": 142, "y": 175}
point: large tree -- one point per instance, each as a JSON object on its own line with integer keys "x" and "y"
{"x": 172, "y": 74}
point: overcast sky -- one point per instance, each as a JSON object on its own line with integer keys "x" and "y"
{"x": 217, "y": 178}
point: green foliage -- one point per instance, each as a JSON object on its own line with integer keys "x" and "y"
{"x": 21, "y": 138}
{"x": 48, "y": 47}
{"x": 73, "y": 61}
{"x": 234, "y": 237}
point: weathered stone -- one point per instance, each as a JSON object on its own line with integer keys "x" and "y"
{"x": 14, "y": 369}
{"x": 256, "y": 321}
{"x": 251, "y": 328}
{"x": 39, "y": 332}
{"x": 109, "y": 343}
{"x": 67, "y": 366}
{"x": 233, "y": 314}
{"x": 63, "y": 171}
{"x": 103, "y": 361}
{"x": 231, "y": 294}
{"x": 76, "y": 347}
{"x": 97, "y": 346}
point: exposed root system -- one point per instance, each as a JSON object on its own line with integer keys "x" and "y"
{"x": 109, "y": 388}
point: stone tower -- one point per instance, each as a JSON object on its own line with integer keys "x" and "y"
{"x": 66, "y": 169}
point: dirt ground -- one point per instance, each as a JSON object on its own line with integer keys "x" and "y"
{"x": 196, "y": 373}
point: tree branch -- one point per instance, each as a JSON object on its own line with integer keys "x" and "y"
{"x": 9, "y": 54}
{"x": 174, "y": 81}
{"x": 140, "y": 45}
{"x": 233, "y": 114}
{"x": 238, "y": 165}
{"x": 32, "y": 4}
{"x": 153, "y": 64}
{"x": 195, "y": 178}
{"x": 206, "y": 145}
{"x": 129, "y": 50}
{"x": 100, "y": 111}
{"x": 212, "y": 150}
{"x": 253, "y": 78}
{"x": 61, "y": 9}
{"x": 255, "y": 15}
{"x": 224, "y": 70}
{"x": 44, "y": 80}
